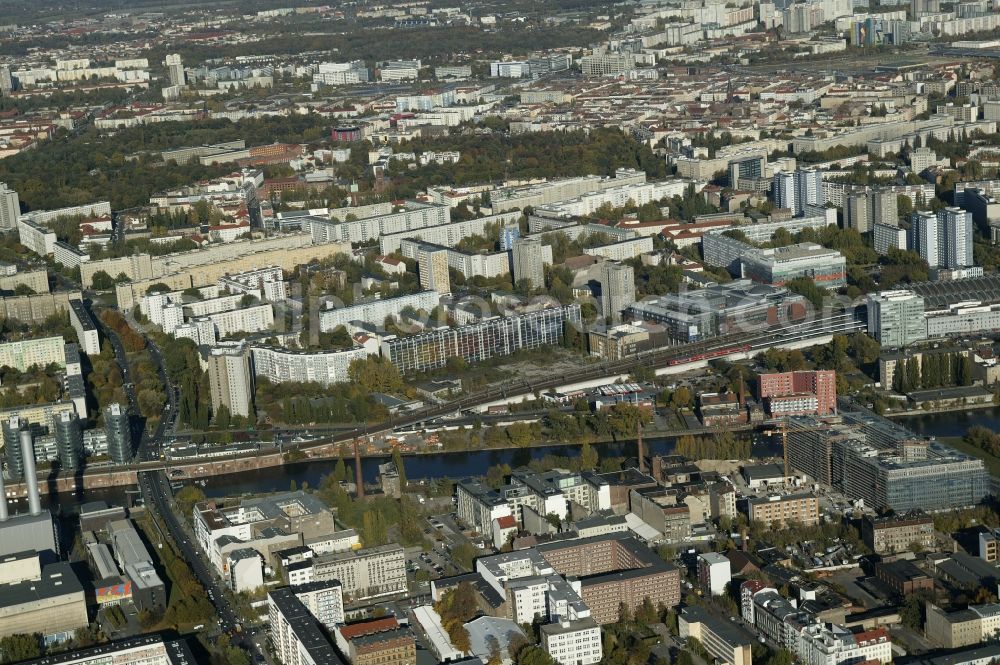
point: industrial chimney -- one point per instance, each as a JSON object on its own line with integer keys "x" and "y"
{"x": 359, "y": 481}
{"x": 3, "y": 501}
{"x": 30, "y": 475}
{"x": 641, "y": 451}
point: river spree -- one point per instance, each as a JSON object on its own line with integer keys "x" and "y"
{"x": 952, "y": 423}
{"x": 462, "y": 464}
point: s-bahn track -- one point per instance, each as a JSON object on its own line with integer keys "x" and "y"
{"x": 678, "y": 356}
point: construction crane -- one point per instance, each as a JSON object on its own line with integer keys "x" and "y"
{"x": 783, "y": 432}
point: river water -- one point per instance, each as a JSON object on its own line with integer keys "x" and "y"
{"x": 473, "y": 463}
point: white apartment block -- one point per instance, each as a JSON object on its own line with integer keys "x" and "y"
{"x": 285, "y": 365}
{"x": 229, "y": 380}
{"x": 69, "y": 256}
{"x": 528, "y": 261}
{"x": 98, "y": 209}
{"x": 171, "y": 318}
{"x": 324, "y": 600}
{"x": 295, "y": 633}
{"x": 623, "y": 249}
{"x": 468, "y": 265}
{"x": 448, "y": 234}
{"x": 573, "y": 642}
{"x": 341, "y": 73}
{"x": 144, "y": 650}
{"x": 365, "y": 573}
{"x": 822, "y": 644}
{"x": 478, "y": 505}
{"x": 714, "y": 573}
{"x": 616, "y": 197}
{"x": 547, "y": 193}
{"x": 36, "y": 237}
{"x": 86, "y": 329}
{"x": 251, "y": 319}
{"x": 197, "y": 308}
{"x": 376, "y": 311}
{"x": 510, "y": 70}
{"x": 152, "y": 305}
{"x": 498, "y": 569}
{"x": 263, "y": 283}
{"x": 528, "y": 598}
{"x": 889, "y": 237}
{"x": 29, "y": 352}
{"x": 412, "y": 217}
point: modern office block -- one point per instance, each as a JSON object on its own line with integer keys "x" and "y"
{"x": 746, "y": 168}
{"x": 896, "y": 318}
{"x": 119, "y": 431}
{"x": 69, "y": 440}
{"x": 12, "y": 446}
{"x": 780, "y": 265}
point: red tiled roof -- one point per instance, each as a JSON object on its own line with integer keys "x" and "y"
{"x": 506, "y": 522}
{"x": 353, "y": 630}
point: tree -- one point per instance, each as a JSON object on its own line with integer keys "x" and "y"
{"x": 464, "y": 554}
{"x": 397, "y": 460}
{"x": 222, "y": 417}
{"x": 375, "y": 374}
{"x": 588, "y": 457}
{"x": 101, "y": 281}
{"x": 904, "y": 206}
{"x": 534, "y": 655}
{"x": 913, "y": 374}
{"x": 187, "y": 497}
{"x": 18, "y": 647}
{"x": 965, "y": 371}
{"x": 681, "y": 398}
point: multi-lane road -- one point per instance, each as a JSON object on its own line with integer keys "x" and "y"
{"x": 158, "y": 498}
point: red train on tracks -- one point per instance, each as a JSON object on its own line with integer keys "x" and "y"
{"x": 708, "y": 355}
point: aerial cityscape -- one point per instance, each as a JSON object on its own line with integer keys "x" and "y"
{"x": 650, "y": 332}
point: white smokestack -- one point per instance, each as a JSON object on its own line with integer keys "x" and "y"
{"x": 30, "y": 475}
{"x": 3, "y": 501}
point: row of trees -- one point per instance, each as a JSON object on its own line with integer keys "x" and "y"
{"x": 984, "y": 439}
{"x": 622, "y": 419}
{"x": 932, "y": 370}
{"x": 721, "y": 445}
{"x": 131, "y": 340}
